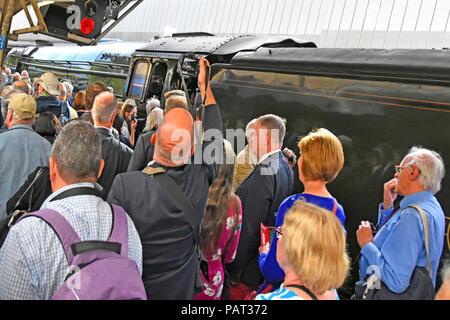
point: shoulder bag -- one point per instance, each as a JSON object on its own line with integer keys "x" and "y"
{"x": 420, "y": 286}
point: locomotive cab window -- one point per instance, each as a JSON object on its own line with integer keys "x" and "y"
{"x": 139, "y": 79}
{"x": 157, "y": 80}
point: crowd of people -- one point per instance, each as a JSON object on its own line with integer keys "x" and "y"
{"x": 190, "y": 228}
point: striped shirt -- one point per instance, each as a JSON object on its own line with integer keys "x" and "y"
{"x": 283, "y": 294}
{"x": 33, "y": 263}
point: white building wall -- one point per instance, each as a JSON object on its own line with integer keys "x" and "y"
{"x": 330, "y": 23}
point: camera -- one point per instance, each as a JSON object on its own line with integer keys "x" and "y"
{"x": 190, "y": 68}
{"x": 291, "y": 158}
{"x": 133, "y": 117}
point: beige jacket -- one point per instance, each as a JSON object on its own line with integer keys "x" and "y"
{"x": 245, "y": 162}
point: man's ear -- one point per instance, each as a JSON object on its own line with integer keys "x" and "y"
{"x": 102, "y": 166}
{"x": 53, "y": 168}
{"x": 415, "y": 173}
{"x": 113, "y": 118}
{"x": 9, "y": 117}
{"x": 153, "y": 140}
{"x": 269, "y": 139}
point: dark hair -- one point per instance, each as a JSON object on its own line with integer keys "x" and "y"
{"x": 45, "y": 125}
{"x": 216, "y": 211}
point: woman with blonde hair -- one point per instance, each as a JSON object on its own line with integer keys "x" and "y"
{"x": 321, "y": 159}
{"x": 312, "y": 253}
{"x": 154, "y": 119}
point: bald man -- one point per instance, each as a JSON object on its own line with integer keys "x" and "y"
{"x": 115, "y": 154}
{"x": 170, "y": 261}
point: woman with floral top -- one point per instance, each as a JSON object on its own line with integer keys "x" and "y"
{"x": 221, "y": 228}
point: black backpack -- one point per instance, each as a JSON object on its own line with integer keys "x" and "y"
{"x": 23, "y": 204}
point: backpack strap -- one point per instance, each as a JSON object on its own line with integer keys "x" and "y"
{"x": 119, "y": 232}
{"x": 334, "y": 210}
{"x": 304, "y": 289}
{"x": 167, "y": 183}
{"x": 426, "y": 235}
{"x": 66, "y": 234}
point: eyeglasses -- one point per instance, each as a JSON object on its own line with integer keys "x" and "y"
{"x": 279, "y": 232}
{"x": 400, "y": 168}
{"x": 274, "y": 230}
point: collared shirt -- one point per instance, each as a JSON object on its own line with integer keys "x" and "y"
{"x": 267, "y": 155}
{"x": 33, "y": 263}
{"x": 21, "y": 151}
{"x": 399, "y": 245}
{"x": 109, "y": 129}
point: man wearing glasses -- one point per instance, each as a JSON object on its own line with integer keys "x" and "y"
{"x": 398, "y": 246}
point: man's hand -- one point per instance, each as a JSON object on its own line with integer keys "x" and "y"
{"x": 390, "y": 193}
{"x": 202, "y": 74}
{"x": 203, "y": 78}
{"x": 364, "y": 234}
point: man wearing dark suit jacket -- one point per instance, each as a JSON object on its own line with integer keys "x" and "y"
{"x": 115, "y": 154}
{"x": 261, "y": 193}
{"x": 170, "y": 261}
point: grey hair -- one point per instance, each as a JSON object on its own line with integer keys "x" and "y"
{"x": 154, "y": 119}
{"x": 5, "y": 104}
{"x": 68, "y": 86}
{"x": 22, "y": 86}
{"x": 273, "y": 122}
{"x": 104, "y": 108}
{"x": 77, "y": 151}
{"x": 431, "y": 166}
{"x": 152, "y": 104}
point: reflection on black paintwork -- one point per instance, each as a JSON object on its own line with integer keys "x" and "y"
{"x": 377, "y": 123}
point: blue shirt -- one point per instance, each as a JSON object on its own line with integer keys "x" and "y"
{"x": 282, "y": 294}
{"x": 21, "y": 151}
{"x": 33, "y": 263}
{"x": 399, "y": 245}
{"x": 268, "y": 264}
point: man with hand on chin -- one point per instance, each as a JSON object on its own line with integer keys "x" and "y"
{"x": 399, "y": 246}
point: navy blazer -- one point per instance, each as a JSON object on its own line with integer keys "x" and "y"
{"x": 261, "y": 193}
{"x": 116, "y": 156}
